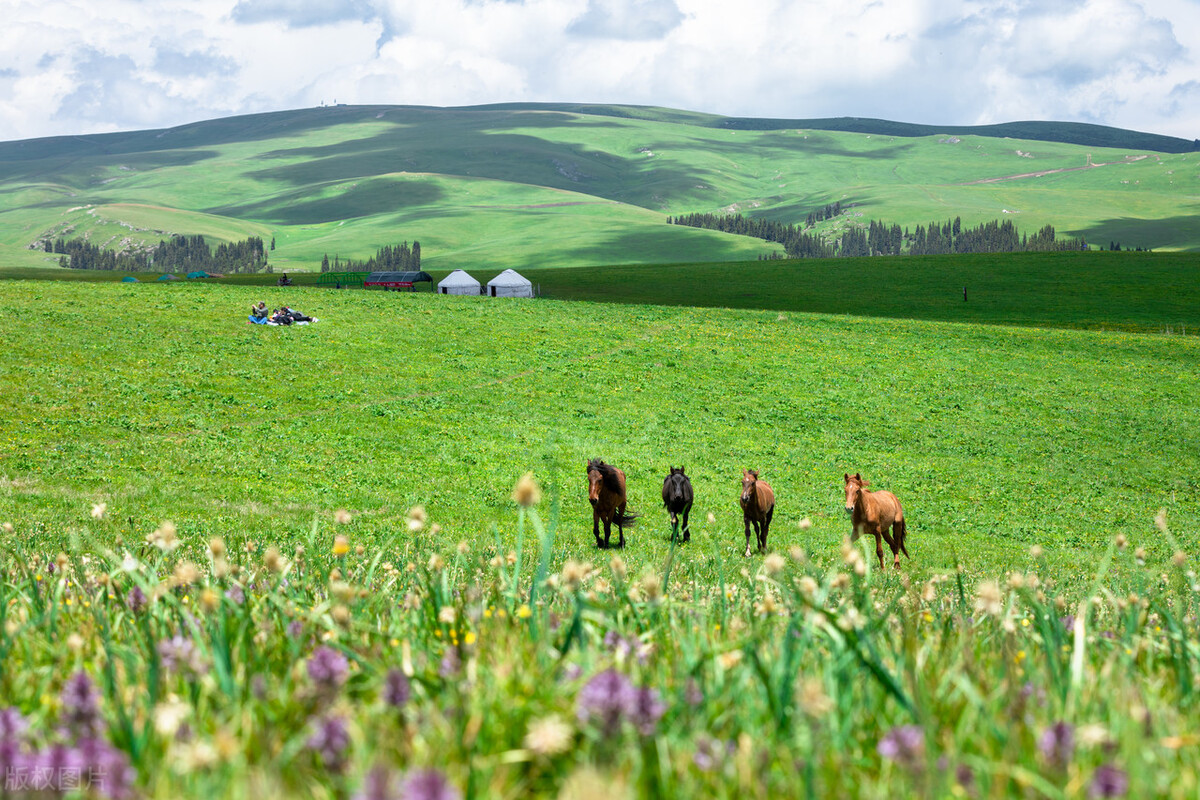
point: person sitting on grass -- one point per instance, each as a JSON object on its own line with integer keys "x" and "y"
{"x": 258, "y": 313}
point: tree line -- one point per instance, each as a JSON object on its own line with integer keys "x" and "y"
{"x": 179, "y": 253}
{"x": 389, "y": 258}
{"x": 880, "y": 238}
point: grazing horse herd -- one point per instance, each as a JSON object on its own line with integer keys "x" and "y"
{"x": 878, "y": 514}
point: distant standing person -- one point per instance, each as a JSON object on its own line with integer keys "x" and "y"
{"x": 964, "y": 294}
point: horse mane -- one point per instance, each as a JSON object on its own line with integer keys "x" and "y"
{"x": 608, "y": 474}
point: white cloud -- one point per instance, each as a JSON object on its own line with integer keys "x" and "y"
{"x": 72, "y": 66}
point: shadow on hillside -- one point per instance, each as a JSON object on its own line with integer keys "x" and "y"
{"x": 371, "y": 197}
{"x": 1182, "y": 232}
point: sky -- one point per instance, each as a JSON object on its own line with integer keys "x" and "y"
{"x": 71, "y": 67}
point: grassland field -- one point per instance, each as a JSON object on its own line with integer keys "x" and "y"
{"x": 162, "y": 402}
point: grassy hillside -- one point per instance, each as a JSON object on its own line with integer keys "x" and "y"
{"x": 495, "y": 187}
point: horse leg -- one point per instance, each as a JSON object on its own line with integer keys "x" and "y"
{"x": 766, "y": 526}
{"x": 746, "y": 520}
{"x": 596, "y": 526}
{"x": 894, "y": 543}
{"x": 687, "y": 532}
{"x": 879, "y": 547}
{"x": 621, "y": 528}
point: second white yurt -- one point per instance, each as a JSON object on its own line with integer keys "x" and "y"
{"x": 458, "y": 282}
{"x": 510, "y": 284}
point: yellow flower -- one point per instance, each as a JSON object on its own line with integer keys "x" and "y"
{"x": 469, "y": 638}
{"x": 523, "y": 612}
{"x": 341, "y": 545}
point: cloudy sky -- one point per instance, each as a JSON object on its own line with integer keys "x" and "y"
{"x": 84, "y": 66}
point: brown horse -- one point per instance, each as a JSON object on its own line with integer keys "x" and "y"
{"x": 874, "y": 513}
{"x": 758, "y": 506}
{"x": 606, "y": 492}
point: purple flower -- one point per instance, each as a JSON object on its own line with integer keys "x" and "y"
{"x": 12, "y": 724}
{"x": 135, "y": 599}
{"x": 81, "y": 706}
{"x": 378, "y": 785}
{"x": 106, "y": 769}
{"x": 647, "y": 710}
{"x": 396, "y": 689}
{"x": 329, "y": 741}
{"x": 1108, "y": 781}
{"x": 572, "y": 672}
{"x": 451, "y": 663}
{"x": 606, "y": 700}
{"x": 180, "y": 654}
{"x": 711, "y": 753}
{"x": 295, "y": 629}
{"x": 1057, "y": 744}
{"x": 905, "y": 745}
{"x": 236, "y": 593}
{"x": 428, "y": 784}
{"x": 692, "y": 694}
{"x": 328, "y": 668}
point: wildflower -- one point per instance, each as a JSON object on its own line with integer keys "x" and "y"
{"x": 523, "y": 612}
{"x": 416, "y": 518}
{"x": 107, "y": 769}
{"x": 651, "y": 586}
{"x": 1036, "y": 551}
{"x": 904, "y": 745}
{"x": 342, "y": 517}
{"x": 179, "y": 654}
{"x": 98, "y": 510}
{"x": 1108, "y": 781}
{"x": 1140, "y": 556}
{"x": 428, "y": 784}
{"x": 378, "y": 785}
{"x": 548, "y": 736}
{"x": 1179, "y": 558}
{"x": 447, "y": 615}
{"x": 12, "y": 724}
{"x": 209, "y": 599}
{"x": 81, "y": 706}
{"x": 186, "y": 573}
{"x": 711, "y": 518}
{"x": 710, "y": 753}
{"x": 1160, "y": 520}
{"x": 164, "y": 537}
{"x": 606, "y": 701}
{"x": 574, "y": 574}
{"x": 988, "y": 599}
{"x": 1122, "y": 542}
{"x": 135, "y": 599}
{"x": 808, "y": 587}
{"x": 436, "y": 562}
{"x": 805, "y": 524}
{"x": 773, "y": 564}
{"x": 396, "y": 689}
{"x": 274, "y": 561}
{"x": 451, "y": 663}
{"x": 341, "y": 545}
{"x": 170, "y": 715}
{"x": 527, "y": 492}
{"x": 646, "y": 710}
{"x": 1057, "y": 744}
{"x": 327, "y": 668}
{"x": 617, "y": 565}
{"x": 236, "y": 594}
{"x": 295, "y": 629}
{"x": 329, "y": 741}
{"x": 692, "y": 694}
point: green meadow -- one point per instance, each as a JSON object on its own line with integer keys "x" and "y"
{"x": 570, "y": 186}
{"x": 161, "y": 401}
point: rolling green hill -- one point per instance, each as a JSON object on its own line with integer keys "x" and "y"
{"x": 548, "y": 186}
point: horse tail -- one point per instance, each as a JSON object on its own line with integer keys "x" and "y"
{"x": 901, "y": 533}
{"x": 626, "y": 519}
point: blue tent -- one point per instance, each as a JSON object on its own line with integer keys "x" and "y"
{"x": 129, "y": 279}
{"x": 198, "y": 274}
{"x": 169, "y": 277}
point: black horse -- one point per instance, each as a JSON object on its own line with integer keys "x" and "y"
{"x": 677, "y": 497}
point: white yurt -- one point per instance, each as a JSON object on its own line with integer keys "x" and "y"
{"x": 458, "y": 282}
{"x": 510, "y": 284}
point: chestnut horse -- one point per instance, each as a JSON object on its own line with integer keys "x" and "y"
{"x": 606, "y": 492}
{"x": 758, "y": 506}
{"x": 677, "y": 497}
{"x": 874, "y": 513}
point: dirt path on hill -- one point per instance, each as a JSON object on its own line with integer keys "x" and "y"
{"x": 1041, "y": 173}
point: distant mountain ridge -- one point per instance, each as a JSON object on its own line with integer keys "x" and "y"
{"x": 1080, "y": 133}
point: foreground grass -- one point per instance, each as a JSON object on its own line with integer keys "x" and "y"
{"x": 335, "y": 668}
